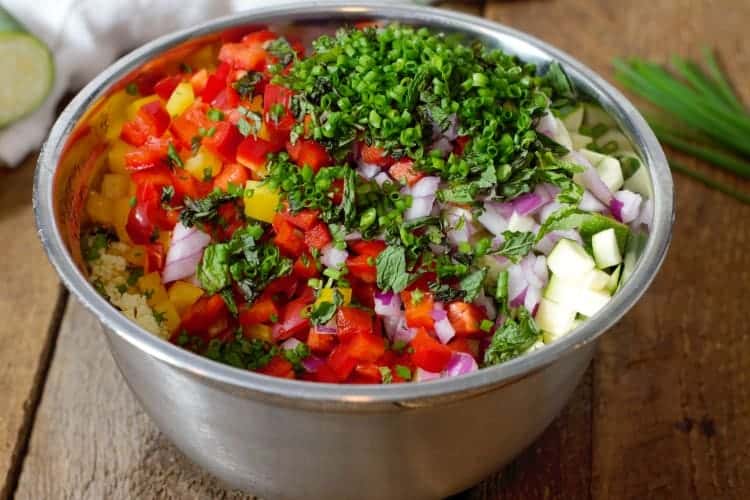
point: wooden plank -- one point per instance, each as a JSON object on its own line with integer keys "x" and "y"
{"x": 671, "y": 408}
{"x": 28, "y": 301}
{"x": 91, "y": 440}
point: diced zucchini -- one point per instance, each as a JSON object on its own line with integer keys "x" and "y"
{"x": 580, "y": 141}
{"x": 572, "y": 294}
{"x": 633, "y": 249}
{"x": 606, "y": 250}
{"x": 640, "y": 182}
{"x": 569, "y": 259}
{"x": 589, "y": 302}
{"x": 594, "y": 115}
{"x": 574, "y": 119}
{"x": 520, "y": 223}
{"x": 616, "y": 137}
{"x": 554, "y": 318}
{"x": 260, "y": 201}
{"x": 611, "y": 173}
{"x": 593, "y": 157}
{"x": 614, "y": 280}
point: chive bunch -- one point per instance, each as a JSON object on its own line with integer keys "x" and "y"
{"x": 704, "y": 117}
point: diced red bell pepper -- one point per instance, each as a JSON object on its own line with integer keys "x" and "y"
{"x": 374, "y": 155}
{"x": 364, "y": 293}
{"x": 152, "y": 153}
{"x": 370, "y": 248}
{"x": 318, "y": 236}
{"x": 154, "y": 261}
{"x": 403, "y": 171}
{"x": 422, "y": 282}
{"x": 232, "y": 173}
{"x": 429, "y": 354}
{"x": 305, "y": 267}
{"x": 224, "y": 142}
{"x": 251, "y": 57}
{"x": 286, "y": 286}
{"x": 277, "y": 95}
{"x": 263, "y": 310}
{"x": 366, "y": 373}
{"x": 253, "y": 153}
{"x": 465, "y": 318}
{"x": 321, "y": 343}
{"x": 463, "y": 344}
{"x": 294, "y": 319}
{"x": 303, "y": 219}
{"x": 351, "y": 321}
{"x": 156, "y": 115}
{"x": 308, "y": 152}
{"x": 203, "y": 314}
{"x": 134, "y": 132}
{"x": 158, "y": 176}
{"x": 187, "y": 185}
{"x": 215, "y": 83}
{"x": 289, "y": 239}
{"x": 148, "y": 215}
{"x": 341, "y": 363}
{"x": 323, "y": 374}
{"x": 198, "y": 80}
{"x": 364, "y": 346}
{"x": 418, "y": 309}
{"x": 166, "y": 86}
{"x": 226, "y": 99}
{"x": 278, "y": 367}
{"x": 186, "y": 126}
{"x": 145, "y": 82}
{"x": 362, "y": 267}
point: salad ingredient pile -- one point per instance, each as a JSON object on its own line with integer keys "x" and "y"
{"x": 398, "y": 205}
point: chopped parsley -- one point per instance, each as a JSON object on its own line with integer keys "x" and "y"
{"x": 245, "y": 86}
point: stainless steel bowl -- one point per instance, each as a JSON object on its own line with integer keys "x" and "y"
{"x": 288, "y": 439}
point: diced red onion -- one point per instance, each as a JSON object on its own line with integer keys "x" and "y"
{"x": 529, "y": 272}
{"x": 578, "y": 159}
{"x": 527, "y": 203}
{"x": 382, "y": 178}
{"x": 594, "y": 183}
{"x": 497, "y": 242}
{"x": 517, "y": 285}
{"x": 487, "y": 304}
{"x": 520, "y": 298}
{"x": 396, "y": 329}
{"x": 460, "y": 363}
{"x": 426, "y": 186}
{"x": 312, "y": 364}
{"x": 354, "y": 235}
{"x": 290, "y": 344}
{"x": 185, "y": 252}
{"x": 451, "y": 133}
{"x": 420, "y": 207}
{"x": 548, "y": 210}
{"x": 443, "y": 329}
{"x": 531, "y": 300}
{"x": 462, "y": 234}
{"x": 421, "y": 375}
{"x": 540, "y": 269}
{"x": 443, "y": 145}
{"x": 590, "y": 204}
{"x": 547, "y": 125}
{"x": 367, "y": 170}
{"x": 438, "y": 249}
{"x": 547, "y": 243}
{"x": 504, "y": 209}
{"x": 550, "y": 189}
{"x": 629, "y": 205}
{"x": 387, "y": 304}
{"x": 326, "y": 329}
{"x": 439, "y": 314}
{"x": 492, "y": 220}
{"x": 332, "y": 256}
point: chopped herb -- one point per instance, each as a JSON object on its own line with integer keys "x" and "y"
{"x": 517, "y": 244}
{"x": 132, "y": 201}
{"x": 122, "y": 288}
{"x": 242, "y": 353}
{"x": 167, "y": 193}
{"x": 472, "y": 284}
{"x": 95, "y": 243}
{"x": 485, "y": 325}
{"x": 403, "y": 371}
{"x": 386, "y": 376}
{"x": 160, "y": 317}
{"x": 215, "y": 115}
{"x": 132, "y": 89}
{"x": 204, "y": 209}
{"x": 282, "y": 50}
{"x": 185, "y": 68}
{"x": 391, "y": 269}
{"x": 208, "y": 174}
{"x": 133, "y": 276}
{"x": 245, "y": 86}
{"x": 297, "y": 355}
{"x": 276, "y": 112}
{"x": 228, "y": 297}
{"x": 174, "y": 158}
{"x": 512, "y": 339}
{"x": 195, "y": 144}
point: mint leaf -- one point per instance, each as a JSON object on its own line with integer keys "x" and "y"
{"x": 472, "y": 284}
{"x": 391, "y": 269}
{"x": 517, "y": 244}
{"x": 512, "y": 339}
{"x": 213, "y": 269}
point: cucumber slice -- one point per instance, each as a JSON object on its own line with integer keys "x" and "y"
{"x": 614, "y": 280}
{"x": 606, "y": 249}
{"x": 29, "y": 70}
{"x": 611, "y": 173}
{"x": 569, "y": 260}
{"x": 574, "y": 119}
{"x": 574, "y": 295}
{"x": 554, "y": 319}
{"x": 640, "y": 182}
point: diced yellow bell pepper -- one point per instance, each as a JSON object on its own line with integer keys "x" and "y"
{"x": 151, "y": 286}
{"x": 260, "y": 332}
{"x": 115, "y": 186}
{"x": 165, "y": 237}
{"x": 181, "y": 99}
{"x": 263, "y": 133}
{"x": 136, "y": 256}
{"x": 115, "y": 112}
{"x": 183, "y": 295}
{"x": 99, "y": 208}
{"x": 167, "y": 315}
{"x": 116, "y": 156}
{"x": 205, "y": 57}
{"x": 260, "y": 201}
{"x": 120, "y": 212}
{"x": 138, "y": 103}
{"x": 326, "y": 295}
{"x": 204, "y": 165}
{"x": 256, "y": 105}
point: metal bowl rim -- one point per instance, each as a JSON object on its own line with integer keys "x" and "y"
{"x": 357, "y": 395}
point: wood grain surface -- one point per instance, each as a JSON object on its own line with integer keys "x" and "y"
{"x": 663, "y": 413}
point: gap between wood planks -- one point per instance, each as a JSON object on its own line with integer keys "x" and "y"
{"x": 40, "y": 379}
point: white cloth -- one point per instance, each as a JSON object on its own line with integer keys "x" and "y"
{"x": 87, "y": 35}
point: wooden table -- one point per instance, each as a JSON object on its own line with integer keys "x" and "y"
{"x": 664, "y": 411}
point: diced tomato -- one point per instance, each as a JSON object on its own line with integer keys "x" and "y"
{"x": 263, "y": 310}
{"x": 374, "y": 155}
{"x": 232, "y": 173}
{"x": 324, "y": 374}
{"x": 366, "y": 373}
{"x": 364, "y": 346}
{"x": 460, "y": 146}
{"x": 351, "y": 321}
{"x": 253, "y": 153}
{"x": 465, "y": 318}
{"x": 278, "y": 367}
{"x": 321, "y": 343}
{"x": 273, "y": 96}
{"x": 403, "y": 171}
{"x": 224, "y": 141}
{"x": 418, "y": 307}
{"x": 429, "y": 354}
{"x": 203, "y": 314}
{"x": 362, "y": 267}
{"x": 187, "y": 185}
{"x": 305, "y": 266}
{"x": 154, "y": 261}
{"x": 463, "y": 344}
{"x": 147, "y": 216}
{"x": 289, "y": 239}
{"x": 341, "y": 363}
{"x": 371, "y": 248}
{"x": 318, "y": 236}
{"x": 286, "y": 286}
{"x": 166, "y": 86}
{"x": 186, "y": 126}
{"x": 363, "y": 292}
{"x": 294, "y": 319}
{"x": 244, "y": 56}
{"x": 230, "y": 219}
{"x": 303, "y": 219}
{"x": 308, "y": 152}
